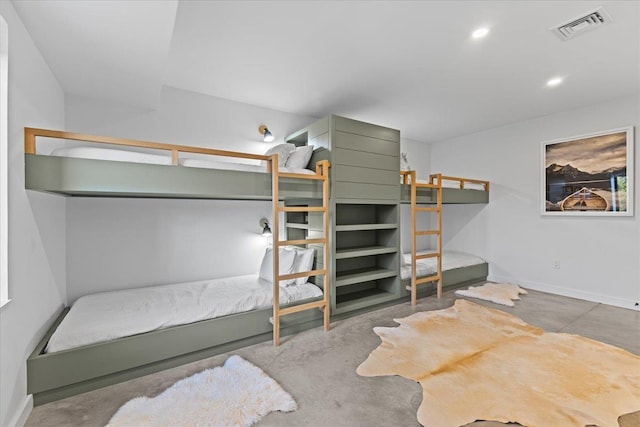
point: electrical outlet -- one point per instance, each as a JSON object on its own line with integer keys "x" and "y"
{"x": 556, "y": 264}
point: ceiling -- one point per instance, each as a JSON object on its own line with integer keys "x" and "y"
{"x": 409, "y": 65}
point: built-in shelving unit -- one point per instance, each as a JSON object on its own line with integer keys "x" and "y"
{"x": 365, "y": 197}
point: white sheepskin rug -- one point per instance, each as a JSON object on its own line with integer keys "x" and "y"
{"x": 500, "y": 293}
{"x": 236, "y": 394}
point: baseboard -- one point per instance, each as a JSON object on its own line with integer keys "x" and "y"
{"x": 568, "y": 292}
{"x": 20, "y": 417}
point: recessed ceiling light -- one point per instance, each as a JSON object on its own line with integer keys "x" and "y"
{"x": 554, "y": 81}
{"x": 480, "y": 33}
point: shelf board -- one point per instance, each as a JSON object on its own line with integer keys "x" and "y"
{"x": 361, "y": 227}
{"x": 298, "y": 226}
{"x": 362, "y": 299}
{"x": 364, "y": 251}
{"x": 363, "y": 275}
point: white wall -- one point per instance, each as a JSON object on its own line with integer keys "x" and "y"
{"x": 120, "y": 243}
{"x": 36, "y": 222}
{"x": 599, "y": 256}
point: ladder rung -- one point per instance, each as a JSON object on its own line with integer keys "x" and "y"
{"x": 421, "y": 280}
{"x": 431, "y": 255}
{"x": 302, "y": 307}
{"x": 430, "y": 209}
{"x": 425, "y": 185}
{"x": 300, "y": 242}
{"x": 301, "y": 176}
{"x": 302, "y": 274}
{"x": 427, "y": 279}
{"x": 427, "y": 232}
{"x": 301, "y": 209}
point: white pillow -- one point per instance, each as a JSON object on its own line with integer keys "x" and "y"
{"x": 403, "y": 259}
{"x": 282, "y": 150}
{"x": 303, "y": 262}
{"x": 287, "y": 260}
{"x": 404, "y": 162}
{"x": 299, "y": 159}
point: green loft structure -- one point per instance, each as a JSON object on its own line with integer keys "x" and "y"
{"x": 364, "y": 257}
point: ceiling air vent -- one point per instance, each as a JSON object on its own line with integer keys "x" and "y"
{"x": 582, "y": 24}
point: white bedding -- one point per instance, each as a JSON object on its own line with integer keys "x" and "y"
{"x": 455, "y": 184}
{"x": 213, "y": 164}
{"x": 97, "y": 153}
{"x": 428, "y": 266}
{"x": 112, "y": 154}
{"x": 110, "y": 315}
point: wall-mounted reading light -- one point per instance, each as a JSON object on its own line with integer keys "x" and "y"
{"x": 264, "y": 224}
{"x": 267, "y": 136}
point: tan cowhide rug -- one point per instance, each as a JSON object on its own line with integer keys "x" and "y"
{"x": 500, "y": 293}
{"x": 476, "y": 363}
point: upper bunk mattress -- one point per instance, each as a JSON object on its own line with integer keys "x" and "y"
{"x": 97, "y": 153}
{"x": 455, "y": 184}
{"x": 107, "y": 316}
{"x": 111, "y": 154}
{"x": 428, "y": 266}
{"x": 213, "y": 164}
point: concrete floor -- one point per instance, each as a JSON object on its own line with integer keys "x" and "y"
{"x": 319, "y": 369}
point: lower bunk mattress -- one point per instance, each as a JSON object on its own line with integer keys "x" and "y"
{"x": 111, "y": 315}
{"x": 428, "y": 267}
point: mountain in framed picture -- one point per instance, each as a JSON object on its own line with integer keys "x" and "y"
{"x": 589, "y": 174}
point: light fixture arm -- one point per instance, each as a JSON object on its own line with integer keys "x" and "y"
{"x": 264, "y": 225}
{"x": 266, "y": 134}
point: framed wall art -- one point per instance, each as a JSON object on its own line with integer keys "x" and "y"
{"x": 589, "y": 175}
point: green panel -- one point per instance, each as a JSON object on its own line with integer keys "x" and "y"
{"x": 54, "y": 370}
{"x": 344, "y": 173}
{"x": 320, "y": 141}
{"x": 307, "y": 134}
{"x": 365, "y": 143}
{"x": 87, "y": 177}
{"x": 364, "y": 300}
{"x": 364, "y": 275}
{"x": 350, "y": 191}
{"x": 366, "y": 129}
{"x": 318, "y": 128}
{"x": 449, "y": 195}
{"x": 342, "y": 156}
{"x": 361, "y": 227}
{"x": 364, "y": 251}
{"x": 454, "y": 278}
{"x": 456, "y": 195}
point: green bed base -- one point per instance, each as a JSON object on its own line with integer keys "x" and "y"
{"x": 449, "y": 195}
{"x": 103, "y": 178}
{"x": 54, "y": 376}
{"x": 451, "y": 279}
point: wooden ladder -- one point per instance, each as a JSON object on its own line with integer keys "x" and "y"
{"x": 409, "y": 177}
{"x": 322, "y": 174}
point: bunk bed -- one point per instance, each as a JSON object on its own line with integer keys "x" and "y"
{"x": 92, "y": 176}
{"x": 435, "y": 265}
{"x": 92, "y": 363}
{"x": 354, "y": 231}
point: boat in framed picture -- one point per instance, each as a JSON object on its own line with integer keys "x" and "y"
{"x": 584, "y": 200}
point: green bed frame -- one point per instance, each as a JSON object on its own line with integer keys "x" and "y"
{"x": 105, "y": 178}
{"x": 449, "y": 195}
{"x": 53, "y": 376}
{"x": 57, "y": 375}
